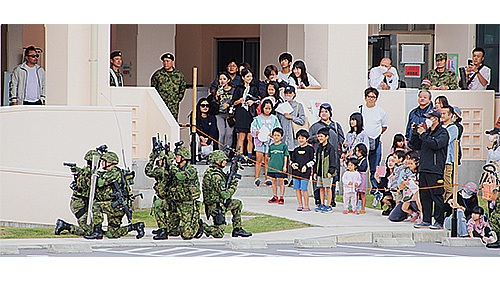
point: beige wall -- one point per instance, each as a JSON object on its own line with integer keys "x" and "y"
{"x": 34, "y": 185}
{"x": 273, "y": 42}
{"x": 456, "y": 39}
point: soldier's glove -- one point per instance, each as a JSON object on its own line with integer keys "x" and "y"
{"x": 73, "y": 169}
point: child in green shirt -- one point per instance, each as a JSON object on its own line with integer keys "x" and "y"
{"x": 278, "y": 156}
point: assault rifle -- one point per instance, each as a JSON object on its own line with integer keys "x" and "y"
{"x": 232, "y": 174}
{"x": 123, "y": 198}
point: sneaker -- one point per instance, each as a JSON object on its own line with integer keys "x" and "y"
{"x": 281, "y": 201}
{"x": 327, "y": 209}
{"x": 306, "y": 210}
{"x": 299, "y": 209}
{"x": 319, "y": 208}
{"x": 362, "y": 211}
{"x": 422, "y": 225}
{"x": 378, "y": 197}
{"x": 333, "y": 204}
{"x": 355, "y": 212}
{"x": 257, "y": 182}
{"x": 268, "y": 182}
{"x": 436, "y": 225}
{"x": 345, "y": 212}
{"x": 250, "y": 163}
{"x": 414, "y": 216}
{"x": 273, "y": 200}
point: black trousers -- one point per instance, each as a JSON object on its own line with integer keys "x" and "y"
{"x": 431, "y": 196}
{"x": 38, "y": 102}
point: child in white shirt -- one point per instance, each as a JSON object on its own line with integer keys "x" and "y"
{"x": 350, "y": 179}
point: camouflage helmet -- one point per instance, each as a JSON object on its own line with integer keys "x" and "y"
{"x": 110, "y": 157}
{"x": 90, "y": 154}
{"x": 184, "y": 152}
{"x": 217, "y": 157}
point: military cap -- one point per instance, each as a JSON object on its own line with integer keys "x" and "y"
{"x": 217, "y": 156}
{"x": 441, "y": 56}
{"x": 110, "y": 157}
{"x": 90, "y": 154}
{"x": 184, "y": 152}
{"x": 116, "y": 54}
{"x": 167, "y": 56}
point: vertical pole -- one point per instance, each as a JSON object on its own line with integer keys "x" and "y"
{"x": 193, "y": 116}
{"x": 454, "y": 225}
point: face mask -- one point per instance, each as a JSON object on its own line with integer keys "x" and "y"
{"x": 384, "y": 69}
{"x": 492, "y": 138}
{"x": 429, "y": 123}
{"x": 288, "y": 98}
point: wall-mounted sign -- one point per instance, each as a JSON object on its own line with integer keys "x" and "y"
{"x": 452, "y": 63}
{"x": 412, "y": 71}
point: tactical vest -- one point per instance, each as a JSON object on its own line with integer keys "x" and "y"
{"x": 210, "y": 191}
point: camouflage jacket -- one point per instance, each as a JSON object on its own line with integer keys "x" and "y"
{"x": 160, "y": 174}
{"x": 118, "y": 75}
{"x": 83, "y": 181}
{"x": 171, "y": 87}
{"x": 105, "y": 187}
{"x": 214, "y": 186}
{"x": 435, "y": 78}
{"x": 185, "y": 184}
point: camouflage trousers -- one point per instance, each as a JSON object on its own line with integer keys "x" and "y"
{"x": 77, "y": 206}
{"x": 217, "y": 231}
{"x": 164, "y": 218}
{"x": 115, "y": 230}
{"x": 186, "y": 219}
{"x": 495, "y": 218}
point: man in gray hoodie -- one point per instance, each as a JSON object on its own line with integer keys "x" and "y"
{"x": 28, "y": 81}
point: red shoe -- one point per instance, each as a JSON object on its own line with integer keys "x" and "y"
{"x": 273, "y": 200}
{"x": 281, "y": 201}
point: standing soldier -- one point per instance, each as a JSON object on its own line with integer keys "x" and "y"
{"x": 217, "y": 198}
{"x": 115, "y": 76}
{"x": 185, "y": 192}
{"x": 104, "y": 200}
{"x": 170, "y": 84}
{"x": 440, "y": 78}
{"x": 161, "y": 201}
{"x": 80, "y": 199}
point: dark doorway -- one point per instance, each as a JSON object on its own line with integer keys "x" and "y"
{"x": 243, "y": 50}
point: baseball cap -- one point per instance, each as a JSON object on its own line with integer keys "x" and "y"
{"x": 290, "y": 89}
{"x": 167, "y": 56}
{"x": 116, "y": 54}
{"x": 433, "y": 113}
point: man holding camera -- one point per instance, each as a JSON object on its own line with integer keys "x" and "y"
{"x": 184, "y": 192}
{"x": 432, "y": 141}
{"x": 478, "y": 75}
{"x": 440, "y": 78}
{"x": 217, "y": 198}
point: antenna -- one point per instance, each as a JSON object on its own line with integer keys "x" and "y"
{"x": 119, "y": 130}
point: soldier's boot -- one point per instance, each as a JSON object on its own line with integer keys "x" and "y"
{"x": 200, "y": 230}
{"x": 97, "y": 234}
{"x": 60, "y": 226}
{"x": 156, "y": 231}
{"x": 162, "y": 234}
{"x": 238, "y": 231}
{"x": 139, "y": 227}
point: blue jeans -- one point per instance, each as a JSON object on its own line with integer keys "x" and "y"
{"x": 374, "y": 161}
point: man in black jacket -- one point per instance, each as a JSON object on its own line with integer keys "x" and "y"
{"x": 432, "y": 141}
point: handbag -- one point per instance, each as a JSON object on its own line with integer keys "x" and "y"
{"x": 296, "y": 127}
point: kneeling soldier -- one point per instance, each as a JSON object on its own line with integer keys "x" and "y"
{"x": 217, "y": 198}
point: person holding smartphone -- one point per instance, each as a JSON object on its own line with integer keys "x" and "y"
{"x": 478, "y": 75}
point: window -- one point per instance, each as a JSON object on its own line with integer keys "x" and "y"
{"x": 243, "y": 50}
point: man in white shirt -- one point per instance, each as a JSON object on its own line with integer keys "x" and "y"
{"x": 28, "y": 81}
{"x": 376, "y": 123}
{"x": 384, "y": 77}
{"x": 478, "y": 74}
{"x": 285, "y": 60}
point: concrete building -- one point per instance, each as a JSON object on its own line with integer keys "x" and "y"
{"x": 82, "y": 111}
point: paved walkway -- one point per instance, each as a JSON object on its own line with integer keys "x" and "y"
{"x": 327, "y": 225}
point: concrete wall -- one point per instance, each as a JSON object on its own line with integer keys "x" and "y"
{"x": 34, "y": 185}
{"x": 455, "y": 39}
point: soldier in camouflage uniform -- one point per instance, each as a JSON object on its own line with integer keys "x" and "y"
{"x": 217, "y": 198}
{"x": 161, "y": 202}
{"x": 170, "y": 84}
{"x": 80, "y": 199}
{"x": 184, "y": 193}
{"x": 104, "y": 200}
{"x": 115, "y": 76}
{"x": 495, "y": 224}
{"x": 440, "y": 78}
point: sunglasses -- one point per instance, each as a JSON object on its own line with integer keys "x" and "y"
{"x": 33, "y": 56}
{"x": 204, "y": 105}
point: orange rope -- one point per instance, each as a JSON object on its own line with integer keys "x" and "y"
{"x": 332, "y": 184}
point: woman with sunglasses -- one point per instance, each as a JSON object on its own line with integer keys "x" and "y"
{"x": 207, "y": 130}
{"x": 220, "y": 104}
